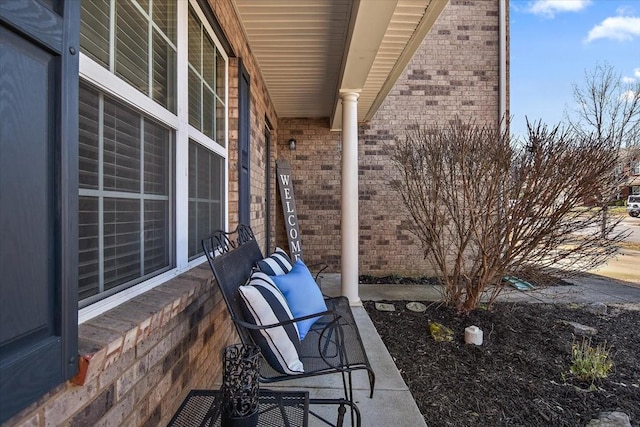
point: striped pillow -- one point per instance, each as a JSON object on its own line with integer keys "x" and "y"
{"x": 276, "y": 264}
{"x": 264, "y": 304}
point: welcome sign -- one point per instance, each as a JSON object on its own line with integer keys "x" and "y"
{"x": 283, "y": 171}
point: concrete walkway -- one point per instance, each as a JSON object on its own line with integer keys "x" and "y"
{"x": 392, "y": 403}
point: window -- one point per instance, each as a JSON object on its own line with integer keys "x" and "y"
{"x": 635, "y": 190}
{"x": 635, "y": 167}
{"x": 152, "y": 176}
{"x": 135, "y": 40}
{"x": 124, "y": 198}
{"x": 206, "y": 82}
{"x": 206, "y": 77}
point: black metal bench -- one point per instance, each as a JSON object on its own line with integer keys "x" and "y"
{"x": 332, "y": 346}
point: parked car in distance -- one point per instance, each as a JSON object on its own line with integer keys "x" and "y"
{"x": 633, "y": 205}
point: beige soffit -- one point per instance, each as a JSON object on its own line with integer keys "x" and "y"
{"x": 310, "y": 50}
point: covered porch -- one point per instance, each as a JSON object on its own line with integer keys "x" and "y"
{"x": 339, "y": 60}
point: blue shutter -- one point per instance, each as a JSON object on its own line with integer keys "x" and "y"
{"x": 244, "y": 146}
{"x": 39, "y": 52}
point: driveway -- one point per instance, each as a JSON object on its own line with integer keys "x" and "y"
{"x": 631, "y": 225}
{"x": 626, "y": 265}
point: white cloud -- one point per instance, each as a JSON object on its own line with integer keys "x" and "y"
{"x": 628, "y": 80}
{"x": 625, "y": 11}
{"x": 636, "y": 73}
{"x": 628, "y": 95}
{"x": 549, "y": 8}
{"x": 620, "y": 28}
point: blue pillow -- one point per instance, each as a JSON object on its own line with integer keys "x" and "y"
{"x": 302, "y": 294}
{"x": 275, "y": 264}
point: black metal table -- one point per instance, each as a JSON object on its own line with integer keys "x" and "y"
{"x": 277, "y": 409}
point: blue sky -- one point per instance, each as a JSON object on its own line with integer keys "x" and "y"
{"x": 553, "y": 42}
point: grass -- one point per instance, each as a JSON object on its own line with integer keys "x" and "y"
{"x": 618, "y": 210}
{"x": 588, "y": 362}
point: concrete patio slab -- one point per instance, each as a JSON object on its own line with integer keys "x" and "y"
{"x": 392, "y": 403}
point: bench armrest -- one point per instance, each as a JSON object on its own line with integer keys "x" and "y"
{"x": 335, "y": 317}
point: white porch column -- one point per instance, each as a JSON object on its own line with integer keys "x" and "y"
{"x": 349, "y": 221}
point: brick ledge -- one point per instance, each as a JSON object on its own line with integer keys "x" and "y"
{"x": 103, "y": 339}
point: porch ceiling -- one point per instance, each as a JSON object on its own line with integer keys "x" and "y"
{"x": 310, "y": 50}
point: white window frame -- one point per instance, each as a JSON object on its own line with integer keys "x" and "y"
{"x": 635, "y": 167}
{"x": 109, "y": 83}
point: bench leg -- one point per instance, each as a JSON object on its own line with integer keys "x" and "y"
{"x": 341, "y": 411}
{"x": 356, "y": 422}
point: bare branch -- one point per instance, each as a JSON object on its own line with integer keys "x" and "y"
{"x": 484, "y": 207}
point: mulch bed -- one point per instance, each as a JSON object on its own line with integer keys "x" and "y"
{"x": 520, "y": 375}
{"x": 539, "y": 280}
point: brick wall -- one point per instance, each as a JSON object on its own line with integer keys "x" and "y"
{"x": 141, "y": 358}
{"x": 262, "y": 112}
{"x": 315, "y": 171}
{"x": 455, "y": 72}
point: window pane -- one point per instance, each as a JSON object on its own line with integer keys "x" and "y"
{"x": 195, "y": 95}
{"x": 208, "y": 112}
{"x": 206, "y": 182}
{"x": 194, "y": 241}
{"x": 208, "y": 97}
{"x": 220, "y": 123}
{"x": 132, "y": 46}
{"x": 88, "y": 138}
{"x": 121, "y": 148}
{"x": 195, "y": 45}
{"x": 94, "y": 30}
{"x": 156, "y": 159}
{"x": 121, "y": 241}
{"x": 164, "y": 73}
{"x": 220, "y": 76}
{"x": 88, "y": 249}
{"x": 193, "y": 181}
{"x": 215, "y": 208}
{"x": 203, "y": 223}
{"x": 208, "y": 61}
{"x": 156, "y": 235}
{"x": 203, "y": 174}
{"x": 164, "y": 15}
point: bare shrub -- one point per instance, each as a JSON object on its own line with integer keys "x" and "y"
{"x": 484, "y": 206}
